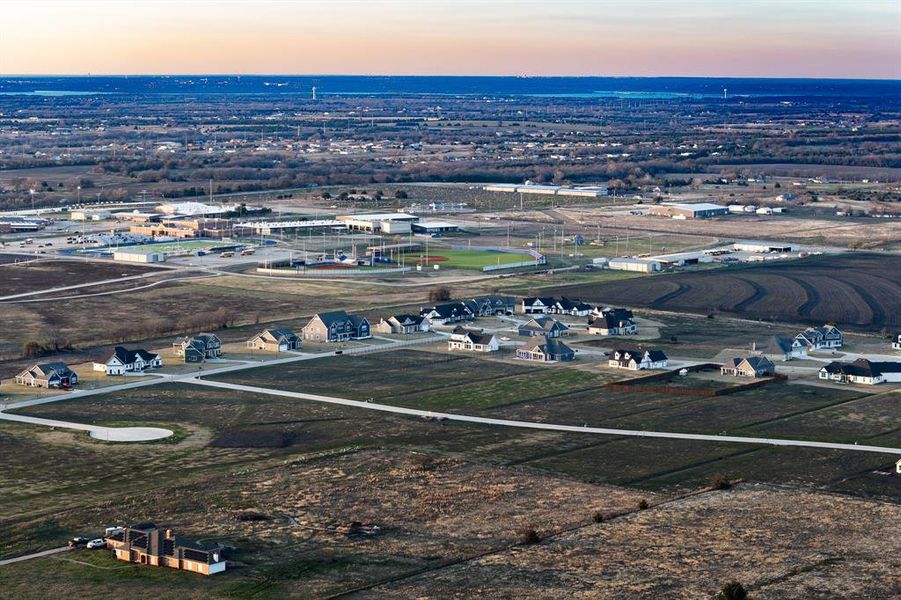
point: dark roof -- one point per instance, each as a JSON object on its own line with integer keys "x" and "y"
{"x": 46, "y": 370}
{"x": 129, "y": 356}
{"x": 756, "y": 362}
{"x": 610, "y": 321}
{"x": 480, "y": 338}
{"x": 546, "y": 300}
{"x": 569, "y": 304}
{"x": 449, "y": 309}
{"x": 334, "y": 316}
{"x": 656, "y": 355}
{"x": 550, "y": 346}
{"x": 286, "y": 333}
{"x": 863, "y": 368}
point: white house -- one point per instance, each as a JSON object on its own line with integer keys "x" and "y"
{"x": 896, "y": 343}
{"x": 818, "y": 338}
{"x": 862, "y": 371}
{"x": 473, "y": 341}
{"x": 123, "y": 361}
{"x": 612, "y": 323}
{"x": 636, "y": 359}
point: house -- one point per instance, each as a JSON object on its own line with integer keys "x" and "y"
{"x": 545, "y": 350}
{"x": 123, "y": 361}
{"x": 486, "y": 306}
{"x": 635, "y": 359}
{"x": 543, "y": 326}
{"x": 898, "y": 466}
{"x": 567, "y": 306}
{"x": 336, "y": 326}
{"x": 449, "y": 312}
{"x": 402, "y": 324}
{"x": 472, "y": 340}
{"x": 198, "y": 348}
{"x": 782, "y": 348}
{"x": 618, "y": 313}
{"x": 274, "y": 340}
{"x": 537, "y": 306}
{"x": 817, "y": 338}
{"x": 610, "y": 324}
{"x": 145, "y": 544}
{"x": 48, "y": 375}
{"x": 862, "y": 371}
{"x": 749, "y": 366}
{"x": 896, "y": 342}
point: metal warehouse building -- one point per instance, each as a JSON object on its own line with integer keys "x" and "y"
{"x": 700, "y": 210}
{"x": 638, "y": 265}
{"x": 138, "y": 256}
{"x": 760, "y": 246}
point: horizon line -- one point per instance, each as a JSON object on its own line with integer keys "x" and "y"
{"x": 498, "y": 75}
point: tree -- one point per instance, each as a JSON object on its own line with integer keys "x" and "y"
{"x": 733, "y": 591}
{"x": 441, "y": 293}
{"x": 401, "y": 195}
{"x": 325, "y": 195}
{"x": 643, "y": 504}
{"x": 32, "y": 349}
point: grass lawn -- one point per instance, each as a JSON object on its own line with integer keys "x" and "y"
{"x": 171, "y": 247}
{"x": 466, "y": 259}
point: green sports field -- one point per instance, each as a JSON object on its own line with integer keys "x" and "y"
{"x": 464, "y": 259}
{"x": 173, "y": 247}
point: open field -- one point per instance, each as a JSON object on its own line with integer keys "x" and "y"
{"x": 232, "y": 301}
{"x": 40, "y": 275}
{"x": 288, "y": 522}
{"x": 860, "y": 290}
{"x": 508, "y": 390}
{"x": 280, "y": 479}
{"x": 780, "y": 543}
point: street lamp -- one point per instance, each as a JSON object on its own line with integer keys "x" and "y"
{"x": 31, "y": 193}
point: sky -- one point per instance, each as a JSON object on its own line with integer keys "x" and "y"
{"x": 737, "y": 38}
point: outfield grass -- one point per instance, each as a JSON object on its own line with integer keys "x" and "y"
{"x": 170, "y": 247}
{"x": 467, "y": 259}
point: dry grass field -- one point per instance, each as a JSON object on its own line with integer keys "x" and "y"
{"x": 780, "y": 543}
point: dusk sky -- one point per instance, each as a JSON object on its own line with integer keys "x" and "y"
{"x": 747, "y": 38}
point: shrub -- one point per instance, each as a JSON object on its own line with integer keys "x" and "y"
{"x": 643, "y": 504}
{"x": 529, "y": 536}
{"x": 732, "y": 591}
{"x": 598, "y": 517}
{"x": 720, "y": 482}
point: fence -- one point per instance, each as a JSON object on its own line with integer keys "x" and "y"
{"x": 329, "y": 273}
{"x": 684, "y": 391}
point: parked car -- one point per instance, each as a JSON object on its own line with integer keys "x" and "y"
{"x": 96, "y": 544}
{"x": 78, "y": 542}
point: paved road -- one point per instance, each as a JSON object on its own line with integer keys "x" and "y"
{"x": 110, "y": 434}
{"x": 546, "y": 426}
{"x": 139, "y": 434}
{"x": 42, "y": 554}
{"x": 192, "y": 378}
{"x": 83, "y": 285}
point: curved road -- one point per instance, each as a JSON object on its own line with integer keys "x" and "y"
{"x": 547, "y": 426}
{"x": 194, "y": 378}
